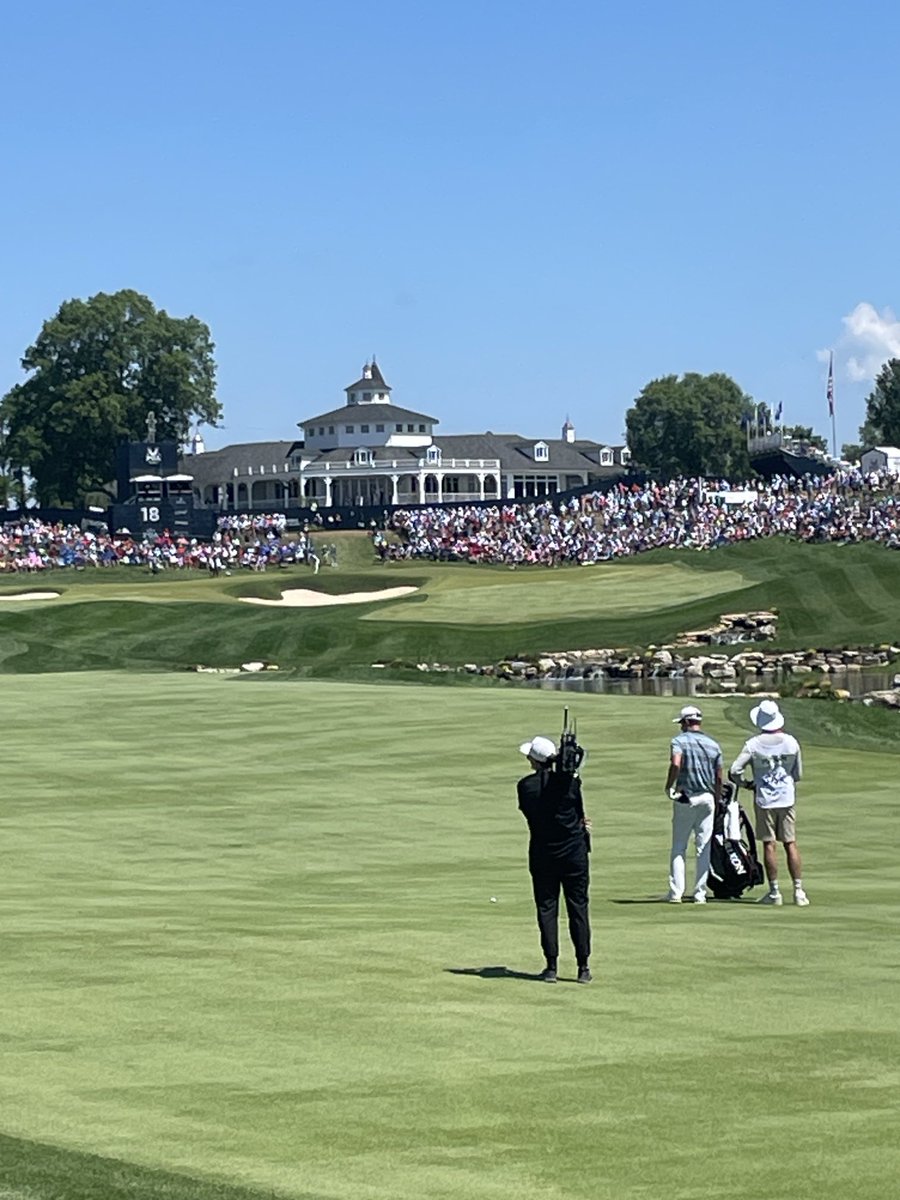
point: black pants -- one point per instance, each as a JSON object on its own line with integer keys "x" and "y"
{"x": 571, "y": 874}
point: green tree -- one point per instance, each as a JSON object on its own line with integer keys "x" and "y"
{"x": 95, "y": 371}
{"x": 695, "y": 425}
{"x": 850, "y": 452}
{"x": 882, "y": 423}
{"x": 804, "y": 433}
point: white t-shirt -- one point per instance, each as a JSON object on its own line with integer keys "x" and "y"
{"x": 775, "y": 761}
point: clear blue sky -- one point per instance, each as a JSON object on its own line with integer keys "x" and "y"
{"x": 525, "y": 210}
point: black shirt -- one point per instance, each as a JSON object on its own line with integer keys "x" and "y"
{"x": 553, "y": 807}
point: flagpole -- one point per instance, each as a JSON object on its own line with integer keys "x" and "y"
{"x": 830, "y": 395}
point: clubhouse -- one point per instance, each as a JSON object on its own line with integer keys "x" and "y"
{"x": 372, "y": 452}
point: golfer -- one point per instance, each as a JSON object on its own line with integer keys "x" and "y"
{"x": 552, "y": 805}
{"x": 694, "y": 785}
{"x": 774, "y": 758}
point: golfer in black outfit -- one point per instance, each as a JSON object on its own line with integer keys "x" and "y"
{"x": 557, "y": 854}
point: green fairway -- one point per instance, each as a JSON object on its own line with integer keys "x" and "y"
{"x": 249, "y": 950}
{"x": 607, "y": 589}
{"x": 127, "y": 619}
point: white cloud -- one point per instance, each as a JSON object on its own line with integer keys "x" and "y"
{"x": 870, "y": 339}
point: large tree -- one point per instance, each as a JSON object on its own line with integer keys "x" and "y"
{"x": 695, "y": 425}
{"x": 95, "y": 371}
{"x": 882, "y": 424}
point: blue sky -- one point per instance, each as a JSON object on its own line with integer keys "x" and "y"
{"x": 526, "y": 211}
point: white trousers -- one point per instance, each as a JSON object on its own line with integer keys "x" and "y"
{"x": 695, "y": 817}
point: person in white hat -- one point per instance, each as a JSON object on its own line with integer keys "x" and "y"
{"x": 694, "y": 785}
{"x": 774, "y": 758}
{"x": 551, "y": 802}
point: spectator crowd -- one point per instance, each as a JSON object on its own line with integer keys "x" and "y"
{"x": 29, "y": 545}
{"x": 630, "y": 519}
{"x": 594, "y": 527}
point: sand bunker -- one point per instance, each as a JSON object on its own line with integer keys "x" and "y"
{"x": 31, "y": 596}
{"x": 305, "y": 598}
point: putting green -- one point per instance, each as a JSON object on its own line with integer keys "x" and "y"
{"x": 607, "y": 589}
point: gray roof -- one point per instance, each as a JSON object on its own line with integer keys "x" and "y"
{"x": 375, "y": 382}
{"x": 515, "y": 451}
{"x": 213, "y": 466}
{"x": 354, "y": 413}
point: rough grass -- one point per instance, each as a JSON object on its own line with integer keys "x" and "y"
{"x": 249, "y": 950}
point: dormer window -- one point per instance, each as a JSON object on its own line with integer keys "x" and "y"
{"x": 541, "y": 452}
{"x": 606, "y": 458}
{"x": 433, "y": 455}
{"x": 626, "y": 455}
{"x": 362, "y": 456}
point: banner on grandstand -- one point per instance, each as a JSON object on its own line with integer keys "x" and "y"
{"x": 738, "y": 496}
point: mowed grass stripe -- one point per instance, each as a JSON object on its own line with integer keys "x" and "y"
{"x": 611, "y": 589}
{"x": 825, "y": 596}
{"x": 248, "y": 937}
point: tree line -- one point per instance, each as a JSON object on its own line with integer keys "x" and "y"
{"x": 99, "y": 366}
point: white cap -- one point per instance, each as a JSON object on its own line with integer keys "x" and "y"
{"x": 767, "y": 716}
{"x": 539, "y": 748}
{"x": 690, "y": 712}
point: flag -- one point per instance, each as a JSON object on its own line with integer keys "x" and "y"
{"x": 778, "y": 410}
{"x": 830, "y": 392}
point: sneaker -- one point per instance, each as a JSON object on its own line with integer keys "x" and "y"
{"x": 584, "y": 975}
{"x": 548, "y": 975}
{"x": 801, "y": 898}
{"x": 670, "y": 899}
{"x": 771, "y": 898}
{"x": 700, "y": 898}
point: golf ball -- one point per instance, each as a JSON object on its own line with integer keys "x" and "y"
{"x": 493, "y": 899}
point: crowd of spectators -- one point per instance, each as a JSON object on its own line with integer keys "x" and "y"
{"x": 594, "y": 527}
{"x": 630, "y": 519}
{"x": 29, "y": 546}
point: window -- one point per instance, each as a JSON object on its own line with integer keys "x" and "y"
{"x": 421, "y": 429}
{"x": 363, "y": 429}
{"x": 398, "y": 428}
{"x": 433, "y": 454}
{"x": 348, "y": 429}
{"x": 541, "y": 452}
{"x": 626, "y": 455}
{"x": 362, "y": 456}
{"x": 367, "y": 397}
{"x": 606, "y": 458}
{"x": 379, "y": 428}
{"x": 321, "y": 431}
{"x": 410, "y": 429}
{"x": 331, "y": 429}
{"x": 527, "y": 486}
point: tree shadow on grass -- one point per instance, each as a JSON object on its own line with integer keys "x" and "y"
{"x": 493, "y": 973}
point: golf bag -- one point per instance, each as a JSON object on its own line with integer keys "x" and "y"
{"x": 733, "y": 865}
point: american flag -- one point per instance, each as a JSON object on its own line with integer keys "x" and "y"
{"x": 778, "y": 410}
{"x": 830, "y": 392}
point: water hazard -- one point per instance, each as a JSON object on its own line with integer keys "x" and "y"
{"x": 857, "y": 683}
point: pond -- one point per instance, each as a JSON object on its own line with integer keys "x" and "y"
{"x": 857, "y": 683}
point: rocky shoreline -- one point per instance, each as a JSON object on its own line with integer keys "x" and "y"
{"x": 695, "y": 655}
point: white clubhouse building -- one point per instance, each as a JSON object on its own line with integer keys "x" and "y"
{"x": 370, "y": 451}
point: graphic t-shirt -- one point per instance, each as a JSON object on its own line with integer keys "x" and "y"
{"x": 775, "y": 761}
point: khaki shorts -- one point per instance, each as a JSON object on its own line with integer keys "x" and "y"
{"x": 775, "y": 824}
